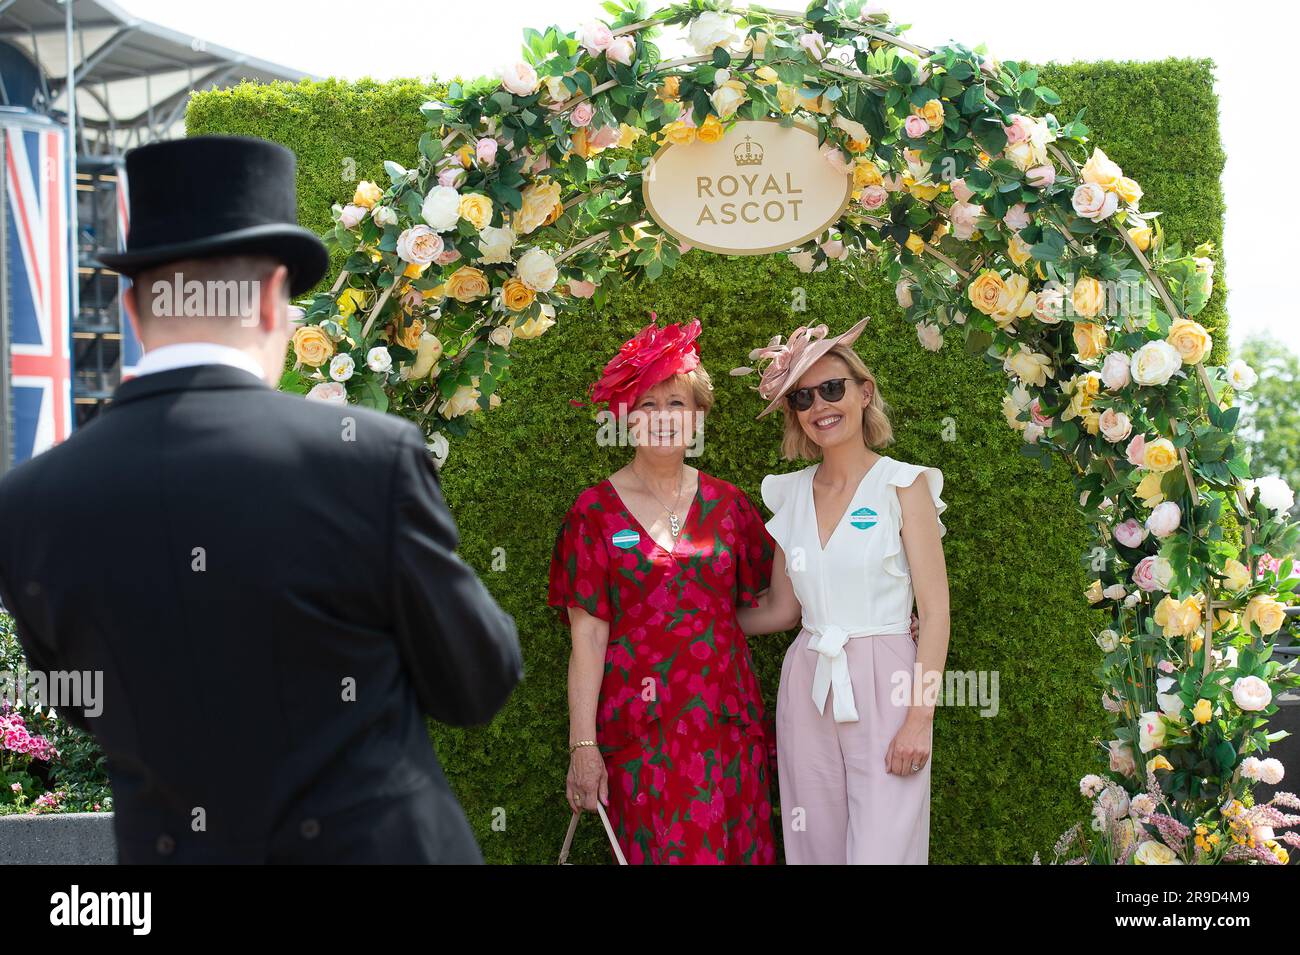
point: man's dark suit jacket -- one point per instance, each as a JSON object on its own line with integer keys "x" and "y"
{"x": 269, "y": 588}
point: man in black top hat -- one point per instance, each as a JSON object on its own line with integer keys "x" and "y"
{"x": 267, "y": 586}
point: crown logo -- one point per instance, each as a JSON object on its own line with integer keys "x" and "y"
{"x": 748, "y": 153}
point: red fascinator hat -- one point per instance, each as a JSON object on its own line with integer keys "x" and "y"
{"x": 651, "y": 356}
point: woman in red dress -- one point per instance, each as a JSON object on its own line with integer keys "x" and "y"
{"x": 667, "y": 727}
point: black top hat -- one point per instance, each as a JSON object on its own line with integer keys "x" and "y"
{"x": 216, "y": 195}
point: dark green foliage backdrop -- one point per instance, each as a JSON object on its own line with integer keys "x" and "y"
{"x": 1003, "y": 787}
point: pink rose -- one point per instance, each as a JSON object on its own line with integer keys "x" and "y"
{"x": 622, "y": 50}
{"x": 452, "y": 178}
{"x": 595, "y": 38}
{"x": 1164, "y": 519}
{"x": 1114, "y": 425}
{"x": 520, "y": 79}
{"x": 1018, "y": 131}
{"x": 419, "y": 245}
{"x": 835, "y": 157}
{"x": 964, "y": 216}
{"x": 1130, "y": 533}
{"x": 1040, "y": 177}
{"x": 1036, "y": 414}
{"x": 1153, "y": 573}
{"x": 834, "y": 249}
{"x": 486, "y": 151}
{"x": 1136, "y": 451}
{"x": 893, "y": 182}
{"x": 603, "y": 138}
{"x": 351, "y": 216}
{"x": 447, "y": 257}
{"x": 1093, "y": 202}
{"x": 915, "y": 126}
{"x": 1115, "y": 371}
{"x": 873, "y": 197}
{"x": 961, "y": 191}
{"x": 581, "y": 288}
{"x": 1017, "y": 217}
{"x": 582, "y": 114}
{"x": 412, "y": 300}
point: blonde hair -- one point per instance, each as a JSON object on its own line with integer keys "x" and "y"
{"x": 876, "y": 429}
{"x": 700, "y": 385}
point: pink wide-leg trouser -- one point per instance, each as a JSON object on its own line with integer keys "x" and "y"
{"x": 839, "y": 804}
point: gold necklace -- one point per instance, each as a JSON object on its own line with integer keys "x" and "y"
{"x": 674, "y": 525}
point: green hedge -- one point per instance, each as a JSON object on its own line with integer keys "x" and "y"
{"x": 1004, "y": 787}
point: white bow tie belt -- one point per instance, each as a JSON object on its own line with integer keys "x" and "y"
{"x": 832, "y": 673}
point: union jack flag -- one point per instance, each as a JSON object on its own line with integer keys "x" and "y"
{"x": 37, "y": 276}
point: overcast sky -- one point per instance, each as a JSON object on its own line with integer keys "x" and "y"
{"x": 1249, "y": 40}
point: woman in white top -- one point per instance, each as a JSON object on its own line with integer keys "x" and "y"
{"x": 858, "y": 538}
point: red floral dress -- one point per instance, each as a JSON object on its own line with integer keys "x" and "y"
{"x": 680, "y": 720}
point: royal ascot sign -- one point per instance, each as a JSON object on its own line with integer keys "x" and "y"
{"x": 762, "y": 188}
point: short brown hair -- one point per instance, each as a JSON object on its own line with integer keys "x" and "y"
{"x": 877, "y": 431}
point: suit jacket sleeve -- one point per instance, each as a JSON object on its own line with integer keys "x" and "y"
{"x": 460, "y": 648}
{"x": 41, "y": 658}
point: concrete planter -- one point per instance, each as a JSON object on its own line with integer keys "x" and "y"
{"x": 69, "y": 838}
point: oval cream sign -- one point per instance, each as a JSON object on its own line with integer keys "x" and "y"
{"x": 762, "y": 188}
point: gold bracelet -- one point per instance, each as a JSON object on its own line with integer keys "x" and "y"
{"x": 582, "y": 742}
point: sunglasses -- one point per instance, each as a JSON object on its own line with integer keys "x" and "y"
{"x": 832, "y": 389}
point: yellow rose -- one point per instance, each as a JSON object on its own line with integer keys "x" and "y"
{"x": 1089, "y": 340}
{"x": 1154, "y": 853}
{"x": 939, "y": 231}
{"x": 1160, "y": 456}
{"x": 856, "y": 146}
{"x": 1032, "y": 368}
{"x": 1202, "y": 711}
{"x": 1128, "y": 190}
{"x": 466, "y": 284}
{"x": 367, "y": 194}
{"x": 414, "y": 270}
{"x": 1266, "y": 613}
{"x": 517, "y": 295}
{"x": 1161, "y": 763}
{"x": 437, "y": 292}
{"x": 311, "y": 346}
{"x": 679, "y": 134}
{"x": 786, "y": 98}
{"x": 1016, "y": 301}
{"x": 350, "y": 300}
{"x": 711, "y": 131}
{"x": 409, "y": 337}
{"x": 866, "y": 173}
{"x": 671, "y": 88}
{"x": 1018, "y": 250}
{"x": 986, "y": 291}
{"x": 915, "y": 244}
{"x": 1094, "y": 592}
{"x": 540, "y": 197}
{"x": 1225, "y": 620}
{"x": 466, "y": 155}
{"x": 1236, "y": 575}
{"x": 1088, "y": 297}
{"x": 533, "y": 327}
{"x": 766, "y": 75}
{"x": 1190, "y": 339}
{"x": 1148, "y": 489}
{"x": 1178, "y": 618}
{"x": 1102, "y": 170}
{"x": 476, "y": 209}
{"x": 627, "y": 135}
{"x": 924, "y": 191}
{"x": 933, "y": 113}
{"x": 1141, "y": 236}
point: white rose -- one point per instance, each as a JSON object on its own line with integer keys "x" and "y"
{"x": 1170, "y": 703}
{"x": 622, "y": 50}
{"x": 341, "y": 367}
{"x": 441, "y": 208}
{"x": 930, "y": 337}
{"x": 1162, "y": 573}
{"x": 903, "y": 293}
{"x": 1274, "y": 493}
{"x": 1271, "y": 771}
{"x": 595, "y": 37}
{"x": 1033, "y": 432}
{"x": 537, "y": 270}
{"x": 1115, "y": 370}
{"x": 1093, "y": 202}
{"x": 710, "y": 30}
{"x": 1251, "y": 693}
{"x": 500, "y": 336}
{"x": 1152, "y": 731}
{"x": 1114, "y": 592}
{"x": 495, "y": 244}
{"x": 330, "y": 392}
{"x": 428, "y": 351}
{"x": 1108, "y": 640}
{"x": 379, "y": 360}
{"x": 803, "y": 261}
{"x": 438, "y": 447}
{"x": 419, "y": 244}
{"x": 1049, "y": 305}
{"x": 855, "y": 129}
{"x": 1241, "y": 376}
{"x": 1114, "y": 425}
{"x": 726, "y": 101}
{"x": 1155, "y": 363}
{"x": 520, "y": 79}
{"x": 1164, "y": 519}
{"x": 384, "y": 215}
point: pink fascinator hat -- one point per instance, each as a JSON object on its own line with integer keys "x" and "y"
{"x": 653, "y": 355}
{"x": 782, "y": 364}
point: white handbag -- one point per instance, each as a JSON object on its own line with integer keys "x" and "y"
{"x": 573, "y": 827}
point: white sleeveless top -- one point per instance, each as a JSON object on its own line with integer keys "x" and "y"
{"x": 860, "y": 585}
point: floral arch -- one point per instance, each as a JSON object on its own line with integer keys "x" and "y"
{"x": 997, "y": 223}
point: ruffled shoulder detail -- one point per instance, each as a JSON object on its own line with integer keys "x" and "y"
{"x": 780, "y": 496}
{"x": 902, "y": 474}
